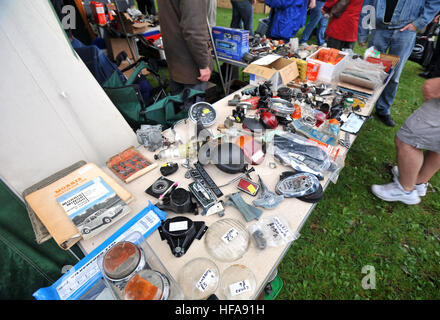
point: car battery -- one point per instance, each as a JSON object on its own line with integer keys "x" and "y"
{"x": 230, "y": 43}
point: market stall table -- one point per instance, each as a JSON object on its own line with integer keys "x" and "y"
{"x": 263, "y": 263}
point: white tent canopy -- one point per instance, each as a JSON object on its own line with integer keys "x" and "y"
{"x": 53, "y": 112}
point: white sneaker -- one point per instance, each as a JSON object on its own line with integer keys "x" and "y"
{"x": 421, "y": 188}
{"x": 394, "y": 192}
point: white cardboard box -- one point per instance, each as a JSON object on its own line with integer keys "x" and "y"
{"x": 280, "y": 71}
{"x": 327, "y": 71}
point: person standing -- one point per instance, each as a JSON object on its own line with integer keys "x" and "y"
{"x": 433, "y": 68}
{"x": 421, "y": 131}
{"x": 147, "y": 7}
{"x": 396, "y": 25}
{"x": 185, "y": 35}
{"x": 342, "y": 29}
{"x": 286, "y": 17}
{"x": 316, "y": 20}
{"x": 243, "y": 15}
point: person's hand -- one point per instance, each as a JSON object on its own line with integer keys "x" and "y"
{"x": 436, "y": 19}
{"x": 431, "y": 89}
{"x": 362, "y": 44}
{"x": 410, "y": 27}
{"x": 205, "y": 74}
{"x": 312, "y": 4}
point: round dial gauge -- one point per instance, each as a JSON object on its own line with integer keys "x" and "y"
{"x": 203, "y": 112}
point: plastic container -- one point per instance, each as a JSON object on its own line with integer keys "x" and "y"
{"x": 328, "y": 72}
{"x": 132, "y": 271}
{"x": 313, "y": 68}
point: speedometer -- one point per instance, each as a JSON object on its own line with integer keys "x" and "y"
{"x": 203, "y": 112}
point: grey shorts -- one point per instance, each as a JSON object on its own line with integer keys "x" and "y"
{"x": 422, "y": 129}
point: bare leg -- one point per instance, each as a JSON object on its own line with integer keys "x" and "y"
{"x": 410, "y": 161}
{"x": 430, "y": 166}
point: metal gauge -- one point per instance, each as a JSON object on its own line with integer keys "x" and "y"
{"x": 204, "y": 112}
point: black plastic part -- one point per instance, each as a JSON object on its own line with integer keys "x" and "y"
{"x": 178, "y": 201}
{"x": 253, "y": 125}
{"x": 159, "y": 187}
{"x": 229, "y": 158}
{"x": 207, "y": 178}
{"x": 169, "y": 168}
{"x": 180, "y": 241}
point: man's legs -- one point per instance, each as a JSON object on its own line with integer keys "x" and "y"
{"x": 334, "y": 43}
{"x": 151, "y": 7}
{"x": 430, "y": 166}
{"x": 245, "y": 11}
{"x": 142, "y": 6}
{"x": 409, "y": 161}
{"x": 236, "y": 17}
{"x": 314, "y": 19}
{"x": 322, "y": 26}
{"x": 400, "y": 44}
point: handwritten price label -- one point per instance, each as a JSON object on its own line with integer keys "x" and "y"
{"x": 230, "y": 235}
{"x": 239, "y": 287}
{"x": 205, "y": 280}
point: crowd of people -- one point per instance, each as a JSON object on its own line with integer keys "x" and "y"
{"x": 391, "y": 26}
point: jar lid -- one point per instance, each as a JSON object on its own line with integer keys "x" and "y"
{"x": 121, "y": 260}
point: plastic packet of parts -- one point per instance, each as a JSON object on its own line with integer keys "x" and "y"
{"x": 273, "y": 231}
{"x": 84, "y": 281}
{"x": 302, "y": 155}
{"x": 363, "y": 73}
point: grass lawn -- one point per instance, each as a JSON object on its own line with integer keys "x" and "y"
{"x": 350, "y": 228}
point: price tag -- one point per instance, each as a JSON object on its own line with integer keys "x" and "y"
{"x": 281, "y": 228}
{"x": 178, "y": 226}
{"x": 205, "y": 280}
{"x": 239, "y": 287}
{"x": 230, "y": 235}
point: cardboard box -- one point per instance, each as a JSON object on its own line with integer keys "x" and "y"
{"x": 327, "y": 71}
{"x": 230, "y": 43}
{"x": 130, "y": 25}
{"x": 280, "y": 71}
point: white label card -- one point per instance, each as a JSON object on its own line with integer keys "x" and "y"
{"x": 239, "y": 287}
{"x": 230, "y": 235}
{"x": 205, "y": 280}
{"x": 282, "y": 229}
{"x": 178, "y": 226}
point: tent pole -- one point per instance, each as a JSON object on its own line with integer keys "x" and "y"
{"x": 215, "y": 55}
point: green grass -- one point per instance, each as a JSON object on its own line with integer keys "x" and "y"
{"x": 350, "y": 228}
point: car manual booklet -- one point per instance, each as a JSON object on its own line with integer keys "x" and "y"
{"x": 93, "y": 206}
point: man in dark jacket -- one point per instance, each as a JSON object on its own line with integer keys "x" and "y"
{"x": 185, "y": 35}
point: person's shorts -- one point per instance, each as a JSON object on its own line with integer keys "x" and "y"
{"x": 422, "y": 129}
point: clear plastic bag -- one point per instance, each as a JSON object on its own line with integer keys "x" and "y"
{"x": 304, "y": 155}
{"x": 273, "y": 231}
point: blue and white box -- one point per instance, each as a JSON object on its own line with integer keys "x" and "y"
{"x": 230, "y": 43}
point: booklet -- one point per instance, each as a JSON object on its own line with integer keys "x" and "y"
{"x": 93, "y": 206}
